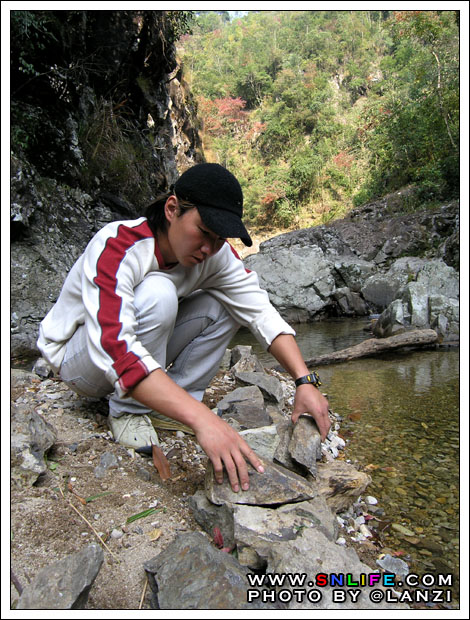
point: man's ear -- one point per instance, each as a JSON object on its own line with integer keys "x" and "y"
{"x": 171, "y": 208}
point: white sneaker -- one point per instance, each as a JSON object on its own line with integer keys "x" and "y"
{"x": 133, "y": 430}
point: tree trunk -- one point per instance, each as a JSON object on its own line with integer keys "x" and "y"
{"x": 374, "y": 346}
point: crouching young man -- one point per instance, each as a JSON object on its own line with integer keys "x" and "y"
{"x": 148, "y": 310}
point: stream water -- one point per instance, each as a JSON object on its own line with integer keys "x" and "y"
{"x": 401, "y": 423}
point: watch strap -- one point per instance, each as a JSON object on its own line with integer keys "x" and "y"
{"x": 311, "y": 378}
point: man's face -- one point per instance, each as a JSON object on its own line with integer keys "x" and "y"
{"x": 190, "y": 242}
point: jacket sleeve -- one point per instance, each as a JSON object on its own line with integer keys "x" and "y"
{"x": 240, "y": 292}
{"x": 112, "y": 269}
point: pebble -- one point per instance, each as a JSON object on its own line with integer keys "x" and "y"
{"x": 117, "y": 534}
{"x": 371, "y": 500}
{"x": 401, "y": 529}
{"x": 143, "y": 474}
{"x": 341, "y": 541}
{"x": 100, "y": 472}
{"x": 108, "y": 460}
{"x": 365, "y": 531}
{"x": 393, "y": 565}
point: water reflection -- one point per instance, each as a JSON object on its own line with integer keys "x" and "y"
{"x": 315, "y": 338}
{"x": 401, "y": 422}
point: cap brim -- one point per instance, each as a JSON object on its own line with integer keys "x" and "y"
{"x": 224, "y": 223}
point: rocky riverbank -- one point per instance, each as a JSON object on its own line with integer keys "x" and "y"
{"x": 401, "y": 266}
{"x": 88, "y": 491}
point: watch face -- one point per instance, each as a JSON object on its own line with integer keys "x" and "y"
{"x": 314, "y": 378}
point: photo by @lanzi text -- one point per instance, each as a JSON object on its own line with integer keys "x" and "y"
{"x": 347, "y": 587}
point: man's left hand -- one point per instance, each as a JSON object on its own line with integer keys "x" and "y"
{"x": 308, "y": 399}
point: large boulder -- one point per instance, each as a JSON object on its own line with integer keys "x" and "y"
{"x": 430, "y": 299}
{"x": 360, "y": 264}
{"x": 192, "y": 574}
{"x": 314, "y": 280}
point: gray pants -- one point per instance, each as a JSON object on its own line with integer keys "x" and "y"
{"x": 188, "y": 338}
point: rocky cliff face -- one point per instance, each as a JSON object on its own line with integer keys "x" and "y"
{"x": 404, "y": 265}
{"x": 109, "y": 142}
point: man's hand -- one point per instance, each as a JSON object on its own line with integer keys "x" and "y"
{"x": 222, "y": 444}
{"x": 308, "y": 399}
{"x": 225, "y": 448}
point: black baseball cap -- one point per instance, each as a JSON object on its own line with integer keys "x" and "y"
{"x": 218, "y": 197}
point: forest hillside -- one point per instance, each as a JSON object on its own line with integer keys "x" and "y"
{"x": 320, "y": 111}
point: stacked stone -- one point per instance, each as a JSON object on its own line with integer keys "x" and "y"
{"x": 285, "y": 523}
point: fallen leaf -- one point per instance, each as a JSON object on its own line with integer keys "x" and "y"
{"x": 161, "y": 462}
{"x": 218, "y": 538}
{"x": 82, "y": 500}
{"x": 154, "y": 534}
{"x": 354, "y": 417}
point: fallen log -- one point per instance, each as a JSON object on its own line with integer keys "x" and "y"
{"x": 415, "y": 338}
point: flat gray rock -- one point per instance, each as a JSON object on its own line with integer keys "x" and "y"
{"x": 270, "y": 387}
{"x": 257, "y": 529}
{"x": 282, "y": 454}
{"x": 243, "y": 416}
{"x": 245, "y": 395}
{"x": 243, "y": 359}
{"x": 249, "y": 363}
{"x": 275, "y": 486}
{"x": 305, "y": 443}
{"x": 244, "y": 408}
{"x": 312, "y": 553}
{"x": 64, "y": 584}
{"x": 192, "y": 574}
{"x": 263, "y": 440}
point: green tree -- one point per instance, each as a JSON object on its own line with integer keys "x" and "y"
{"x": 351, "y": 103}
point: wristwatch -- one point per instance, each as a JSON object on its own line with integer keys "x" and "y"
{"x": 312, "y": 378}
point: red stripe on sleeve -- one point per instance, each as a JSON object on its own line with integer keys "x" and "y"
{"x": 110, "y": 301}
{"x": 235, "y": 253}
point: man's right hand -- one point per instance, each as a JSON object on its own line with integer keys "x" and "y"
{"x": 225, "y": 448}
{"x": 222, "y": 444}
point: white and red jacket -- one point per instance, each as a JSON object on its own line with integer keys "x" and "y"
{"x": 99, "y": 292}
